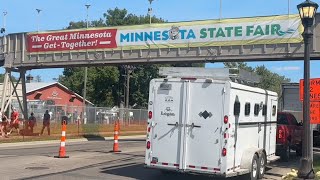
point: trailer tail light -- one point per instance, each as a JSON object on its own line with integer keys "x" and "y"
{"x": 224, "y": 152}
{"x": 226, "y": 135}
{"x": 150, "y": 114}
{"x": 148, "y": 145}
{"x": 149, "y": 129}
{"x": 226, "y": 119}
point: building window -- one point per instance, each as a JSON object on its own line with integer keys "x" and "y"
{"x": 247, "y": 109}
{"x": 236, "y": 108}
{"x": 256, "y": 109}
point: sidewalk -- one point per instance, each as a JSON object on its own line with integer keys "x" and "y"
{"x": 31, "y": 143}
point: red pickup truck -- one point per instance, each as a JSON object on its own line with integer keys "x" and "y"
{"x": 289, "y": 135}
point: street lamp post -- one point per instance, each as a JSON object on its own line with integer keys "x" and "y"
{"x": 150, "y": 11}
{"x": 307, "y": 11}
{"x": 3, "y": 29}
{"x": 38, "y": 10}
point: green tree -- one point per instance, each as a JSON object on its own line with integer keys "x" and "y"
{"x": 268, "y": 80}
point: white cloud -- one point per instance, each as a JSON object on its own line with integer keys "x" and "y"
{"x": 287, "y": 68}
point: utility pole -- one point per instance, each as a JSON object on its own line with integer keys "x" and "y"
{"x": 288, "y": 7}
{"x": 220, "y": 10}
{"x": 129, "y": 70}
{"x": 38, "y": 10}
{"x": 85, "y": 75}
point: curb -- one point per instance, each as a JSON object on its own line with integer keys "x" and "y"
{"x": 33, "y": 143}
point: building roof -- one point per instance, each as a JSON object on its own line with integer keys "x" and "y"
{"x": 31, "y": 87}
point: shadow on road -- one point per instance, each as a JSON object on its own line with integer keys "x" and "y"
{"x": 137, "y": 171}
{"x": 93, "y": 137}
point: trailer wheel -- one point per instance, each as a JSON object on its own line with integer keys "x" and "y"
{"x": 262, "y": 165}
{"x": 254, "y": 168}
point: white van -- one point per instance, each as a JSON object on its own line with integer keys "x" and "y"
{"x": 210, "y": 126}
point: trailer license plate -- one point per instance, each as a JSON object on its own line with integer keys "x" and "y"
{"x": 154, "y": 159}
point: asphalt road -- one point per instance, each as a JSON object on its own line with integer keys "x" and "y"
{"x": 92, "y": 160}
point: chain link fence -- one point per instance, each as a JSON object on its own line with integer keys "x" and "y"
{"x": 93, "y": 115}
{"x": 97, "y": 121}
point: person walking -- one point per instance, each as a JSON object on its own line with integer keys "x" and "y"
{"x": 46, "y": 122}
{"x": 4, "y": 124}
{"x": 14, "y": 123}
{"x": 31, "y": 122}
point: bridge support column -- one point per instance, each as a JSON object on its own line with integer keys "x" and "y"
{"x": 24, "y": 93}
{"x": 5, "y": 87}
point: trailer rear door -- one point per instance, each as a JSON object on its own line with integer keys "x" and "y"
{"x": 167, "y": 129}
{"x": 205, "y": 114}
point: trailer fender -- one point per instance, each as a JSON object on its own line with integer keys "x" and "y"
{"x": 247, "y": 156}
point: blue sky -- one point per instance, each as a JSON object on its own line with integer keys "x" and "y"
{"x": 56, "y": 14}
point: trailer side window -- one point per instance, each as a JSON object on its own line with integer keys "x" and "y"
{"x": 256, "y": 109}
{"x": 274, "y": 110}
{"x": 247, "y": 109}
{"x": 236, "y": 108}
{"x": 264, "y": 110}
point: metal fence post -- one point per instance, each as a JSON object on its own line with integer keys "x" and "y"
{"x": 139, "y": 117}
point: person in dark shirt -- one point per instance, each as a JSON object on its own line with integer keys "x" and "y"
{"x": 31, "y": 122}
{"x": 46, "y": 122}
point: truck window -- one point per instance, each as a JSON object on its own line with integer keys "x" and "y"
{"x": 247, "y": 109}
{"x": 236, "y": 108}
{"x": 256, "y": 109}
{"x": 293, "y": 120}
{"x": 282, "y": 119}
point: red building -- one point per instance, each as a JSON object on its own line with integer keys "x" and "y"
{"x": 54, "y": 94}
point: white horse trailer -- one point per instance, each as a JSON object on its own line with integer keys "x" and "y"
{"x": 211, "y": 126}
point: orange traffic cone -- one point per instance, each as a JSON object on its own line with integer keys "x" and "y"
{"x": 62, "y": 150}
{"x": 116, "y": 137}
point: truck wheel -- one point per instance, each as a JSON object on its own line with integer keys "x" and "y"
{"x": 285, "y": 154}
{"x": 254, "y": 168}
{"x": 262, "y": 165}
{"x": 299, "y": 150}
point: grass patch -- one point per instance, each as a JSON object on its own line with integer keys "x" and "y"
{"x": 89, "y": 131}
{"x": 316, "y": 162}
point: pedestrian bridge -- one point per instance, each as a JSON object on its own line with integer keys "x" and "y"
{"x": 273, "y": 38}
{"x": 270, "y": 38}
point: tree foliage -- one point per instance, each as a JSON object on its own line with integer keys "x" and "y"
{"x": 268, "y": 80}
